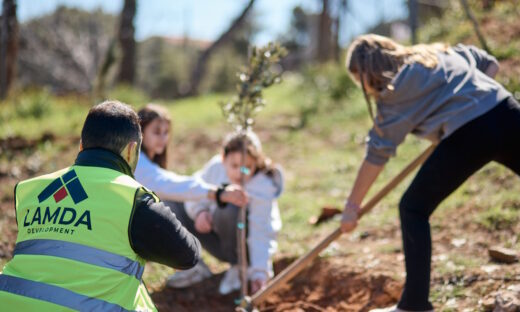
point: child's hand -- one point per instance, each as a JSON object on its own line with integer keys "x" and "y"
{"x": 349, "y": 217}
{"x": 203, "y": 222}
{"x": 234, "y": 194}
{"x": 257, "y": 284}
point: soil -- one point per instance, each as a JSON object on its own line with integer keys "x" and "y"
{"x": 357, "y": 273}
{"x": 344, "y": 289}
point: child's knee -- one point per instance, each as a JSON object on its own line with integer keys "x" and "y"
{"x": 229, "y": 212}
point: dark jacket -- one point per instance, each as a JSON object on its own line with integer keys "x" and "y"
{"x": 154, "y": 232}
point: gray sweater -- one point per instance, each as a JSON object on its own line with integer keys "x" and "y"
{"x": 434, "y": 102}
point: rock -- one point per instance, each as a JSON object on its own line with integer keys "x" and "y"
{"x": 507, "y": 302}
{"x": 515, "y": 289}
{"x": 488, "y": 303}
{"x": 501, "y": 301}
{"x": 490, "y": 268}
{"x": 504, "y": 255}
{"x": 458, "y": 242}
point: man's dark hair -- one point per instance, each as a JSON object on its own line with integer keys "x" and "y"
{"x": 110, "y": 125}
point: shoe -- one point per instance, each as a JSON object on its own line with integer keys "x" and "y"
{"x": 394, "y": 309}
{"x": 182, "y": 279}
{"x": 230, "y": 282}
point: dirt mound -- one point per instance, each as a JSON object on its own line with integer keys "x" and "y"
{"x": 327, "y": 285}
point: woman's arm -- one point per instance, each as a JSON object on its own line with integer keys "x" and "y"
{"x": 367, "y": 174}
{"x": 168, "y": 185}
{"x": 174, "y": 187}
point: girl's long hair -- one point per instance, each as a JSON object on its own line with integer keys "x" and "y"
{"x": 374, "y": 60}
{"x": 235, "y": 142}
{"x": 148, "y": 114}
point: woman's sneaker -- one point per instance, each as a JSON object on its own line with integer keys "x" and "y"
{"x": 186, "y": 278}
{"x": 230, "y": 282}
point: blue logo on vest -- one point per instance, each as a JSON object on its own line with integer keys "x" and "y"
{"x": 67, "y": 184}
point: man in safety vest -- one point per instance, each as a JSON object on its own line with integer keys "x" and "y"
{"x": 84, "y": 232}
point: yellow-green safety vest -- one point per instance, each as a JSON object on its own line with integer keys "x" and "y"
{"x": 73, "y": 250}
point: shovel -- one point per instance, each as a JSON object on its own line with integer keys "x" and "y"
{"x": 286, "y": 275}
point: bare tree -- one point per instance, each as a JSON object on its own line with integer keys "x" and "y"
{"x": 325, "y": 33}
{"x": 413, "y": 17}
{"x": 8, "y": 46}
{"x": 338, "y": 22}
{"x": 474, "y": 22}
{"x": 127, "y": 42}
{"x": 67, "y": 58}
{"x": 199, "y": 70}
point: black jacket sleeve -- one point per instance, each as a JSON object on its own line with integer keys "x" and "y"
{"x": 156, "y": 234}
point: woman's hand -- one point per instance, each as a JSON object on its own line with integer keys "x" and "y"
{"x": 366, "y": 176}
{"x": 203, "y": 222}
{"x": 257, "y": 284}
{"x": 349, "y": 218}
{"x": 234, "y": 194}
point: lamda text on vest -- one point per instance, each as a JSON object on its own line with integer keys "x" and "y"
{"x": 60, "y": 215}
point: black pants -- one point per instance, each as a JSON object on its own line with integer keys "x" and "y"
{"x": 494, "y": 136}
{"x": 221, "y": 242}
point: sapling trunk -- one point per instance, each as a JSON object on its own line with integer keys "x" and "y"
{"x": 241, "y": 228}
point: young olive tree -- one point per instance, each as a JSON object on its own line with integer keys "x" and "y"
{"x": 261, "y": 71}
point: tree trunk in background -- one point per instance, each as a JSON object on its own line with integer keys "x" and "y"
{"x": 338, "y": 21}
{"x": 198, "y": 72}
{"x": 109, "y": 60}
{"x": 474, "y": 22}
{"x": 413, "y": 17}
{"x": 8, "y": 46}
{"x": 325, "y": 31}
{"x": 127, "y": 43}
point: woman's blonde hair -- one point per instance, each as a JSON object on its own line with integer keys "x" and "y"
{"x": 374, "y": 60}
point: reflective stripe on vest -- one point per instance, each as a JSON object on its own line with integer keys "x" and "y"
{"x": 54, "y": 294}
{"x": 93, "y": 262}
{"x": 81, "y": 253}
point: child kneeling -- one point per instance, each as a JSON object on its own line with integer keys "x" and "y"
{"x": 215, "y": 224}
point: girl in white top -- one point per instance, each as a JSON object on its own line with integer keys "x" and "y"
{"x": 151, "y": 167}
{"x": 215, "y": 225}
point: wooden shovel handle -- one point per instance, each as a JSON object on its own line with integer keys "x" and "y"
{"x": 295, "y": 267}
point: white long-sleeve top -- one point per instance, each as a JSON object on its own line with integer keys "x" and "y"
{"x": 167, "y": 184}
{"x": 264, "y": 220}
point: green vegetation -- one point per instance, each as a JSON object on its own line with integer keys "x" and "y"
{"x": 497, "y": 218}
{"x": 314, "y": 126}
{"x": 320, "y": 156}
{"x": 498, "y": 26}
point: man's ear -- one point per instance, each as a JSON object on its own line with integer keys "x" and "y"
{"x": 80, "y": 145}
{"x": 130, "y": 151}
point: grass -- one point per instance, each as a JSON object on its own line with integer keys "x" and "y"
{"x": 320, "y": 159}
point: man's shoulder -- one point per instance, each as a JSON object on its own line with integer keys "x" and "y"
{"x": 47, "y": 176}
{"x": 145, "y": 196}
